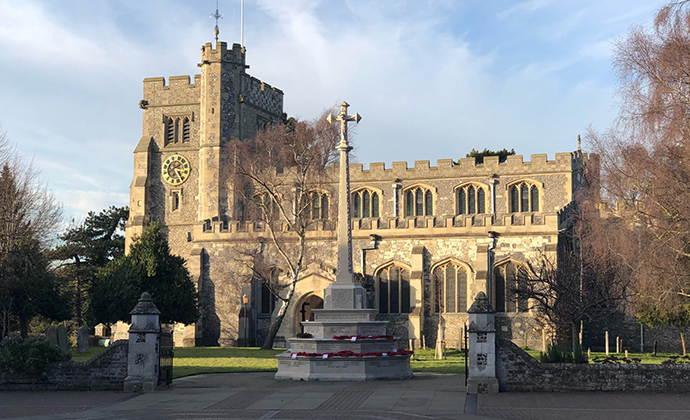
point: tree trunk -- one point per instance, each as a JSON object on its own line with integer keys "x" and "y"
{"x": 574, "y": 337}
{"x": 275, "y": 326}
{"x": 23, "y": 326}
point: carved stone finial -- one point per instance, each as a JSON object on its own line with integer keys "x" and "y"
{"x": 481, "y": 304}
{"x": 145, "y": 306}
{"x": 579, "y": 143}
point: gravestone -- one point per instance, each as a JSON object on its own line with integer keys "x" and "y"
{"x": 51, "y": 335}
{"x": 83, "y": 339}
{"x": 63, "y": 339}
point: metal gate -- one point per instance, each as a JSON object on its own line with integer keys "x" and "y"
{"x": 165, "y": 357}
{"x": 467, "y": 353}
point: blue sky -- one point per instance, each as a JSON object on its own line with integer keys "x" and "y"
{"x": 431, "y": 78}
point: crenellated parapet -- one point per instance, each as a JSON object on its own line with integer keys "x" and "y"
{"x": 467, "y": 167}
{"x": 261, "y": 95}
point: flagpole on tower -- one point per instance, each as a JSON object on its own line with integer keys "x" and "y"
{"x": 242, "y": 23}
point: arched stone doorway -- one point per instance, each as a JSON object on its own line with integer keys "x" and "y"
{"x": 304, "y": 309}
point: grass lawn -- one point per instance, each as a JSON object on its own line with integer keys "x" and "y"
{"x": 197, "y": 360}
{"x": 646, "y": 358}
{"x": 82, "y": 357}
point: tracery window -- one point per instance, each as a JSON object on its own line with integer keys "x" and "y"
{"x": 317, "y": 205}
{"x": 365, "y": 203}
{"x": 393, "y": 286}
{"x": 470, "y": 199}
{"x": 450, "y": 288}
{"x": 524, "y": 197}
{"x": 419, "y": 201}
{"x": 508, "y": 279}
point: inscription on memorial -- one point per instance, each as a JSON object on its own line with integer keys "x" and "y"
{"x": 342, "y": 298}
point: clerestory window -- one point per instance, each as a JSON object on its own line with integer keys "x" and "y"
{"x": 365, "y": 203}
{"x": 419, "y": 201}
{"x": 470, "y": 199}
{"x": 524, "y": 197}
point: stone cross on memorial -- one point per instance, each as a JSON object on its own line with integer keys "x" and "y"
{"x": 345, "y": 293}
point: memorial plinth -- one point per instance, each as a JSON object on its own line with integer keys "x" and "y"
{"x": 347, "y": 343}
{"x": 361, "y": 359}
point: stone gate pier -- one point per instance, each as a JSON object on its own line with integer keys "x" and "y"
{"x": 482, "y": 347}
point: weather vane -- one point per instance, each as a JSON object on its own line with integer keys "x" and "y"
{"x": 217, "y": 16}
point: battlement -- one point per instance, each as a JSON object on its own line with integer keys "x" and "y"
{"x": 262, "y": 95}
{"x": 514, "y": 165}
{"x": 235, "y": 55}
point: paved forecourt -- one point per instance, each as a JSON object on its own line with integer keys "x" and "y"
{"x": 259, "y": 396}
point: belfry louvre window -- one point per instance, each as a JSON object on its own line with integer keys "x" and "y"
{"x": 470, "y": 199}
{"x": 177, "y": 130}
{"x": 419, "y": 201}
{"x": 508, "y": 279}
{"x": 524, "y": 197}
{"x": 185, "y": 130}
{"x": 450, "y": 288}
{"x": 393, "y": 284}
{"x": 365, "y": 203}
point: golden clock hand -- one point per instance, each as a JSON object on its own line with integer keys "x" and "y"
{"x": 178, "y": 173}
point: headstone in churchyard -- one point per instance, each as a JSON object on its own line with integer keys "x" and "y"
{"x": 62, "y": 339}
{"x": 51, "y": 335}
{"x": 83, "y": 339}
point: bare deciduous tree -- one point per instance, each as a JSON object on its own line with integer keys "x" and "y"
{"x": 645, "y": 162}
{"x": 29, "y": 220}
{"x": 277, "y": 177}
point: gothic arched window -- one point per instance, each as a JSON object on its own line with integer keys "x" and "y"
{"x": 508, "y": 279}
{"x": 450, "y": 288}
{"x": 317, "y": 205}
{"x": 524, "y": 197}
{"x": 470, "y": 199}
{"x": 419, "y": 201}
{"x": 170, "y": 133}
{"x": 365, "y": 203}
{"x": 393, "y": 286}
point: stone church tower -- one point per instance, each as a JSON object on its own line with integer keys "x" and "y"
{"x": 426, "y": 239}
{"x": 177, "y": 163}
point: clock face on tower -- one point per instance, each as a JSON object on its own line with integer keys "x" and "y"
{"x": 176, "y": 169}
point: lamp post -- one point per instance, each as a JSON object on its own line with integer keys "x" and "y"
{"x": 245, "y": 301}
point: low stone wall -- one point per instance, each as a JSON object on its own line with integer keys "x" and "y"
{"x": 106, "y": 371}
{"x": 517, "y": 371}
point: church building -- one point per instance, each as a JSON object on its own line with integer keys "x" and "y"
{"x": 426, "y": 237}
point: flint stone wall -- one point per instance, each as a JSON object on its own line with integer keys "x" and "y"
{"x": 517, "y": 371}
{"x": 106, "y": 371}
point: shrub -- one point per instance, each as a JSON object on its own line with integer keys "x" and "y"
{"x": 28, "y": 356}
{"x": 304, "y": 335}
{"x": 555, "y": 355}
